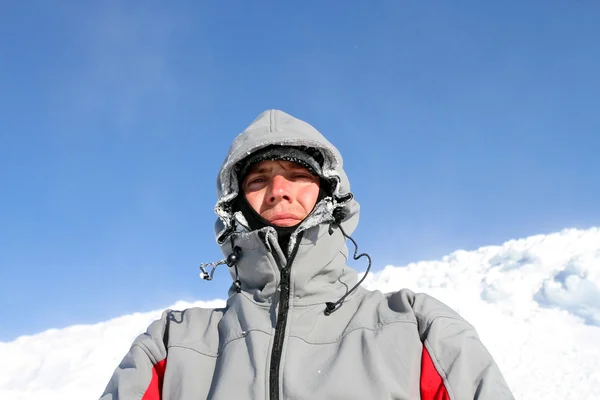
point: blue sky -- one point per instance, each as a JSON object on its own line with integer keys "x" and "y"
{"x": 461, "y": 125}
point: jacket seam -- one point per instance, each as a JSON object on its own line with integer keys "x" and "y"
{"x": 439, "y": 369}
{"x": 430, "y": 321}
{"x": 376, "y": 328}
{"x": 240, "y": 337}
{"x": 215, "y": 355}
{"x": 194, "y": 350}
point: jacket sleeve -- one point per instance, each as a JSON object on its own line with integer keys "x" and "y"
{"x": 455, "y": 363}
{"x": 140, "y": 374}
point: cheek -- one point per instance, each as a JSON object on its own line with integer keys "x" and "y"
{"x": 255, "y": 200}
{"x": 308, "y": 197}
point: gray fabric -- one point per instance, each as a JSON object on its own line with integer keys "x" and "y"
{"x": 370, "y": 348}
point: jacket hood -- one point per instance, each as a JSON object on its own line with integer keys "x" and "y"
{"x": 274, "y": 127}
{"x": 320, "y": 273}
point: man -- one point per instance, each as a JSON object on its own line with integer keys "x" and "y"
{"x": 297, "y": 324}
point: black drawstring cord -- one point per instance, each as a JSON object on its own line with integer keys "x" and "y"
{"x": 330, "y": 307}
{"x": 231, "y": 261}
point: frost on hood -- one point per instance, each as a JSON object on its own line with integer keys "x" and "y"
{"x": 275, "y": 127}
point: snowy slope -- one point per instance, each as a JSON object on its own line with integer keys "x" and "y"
{"x": 535, "y": 303}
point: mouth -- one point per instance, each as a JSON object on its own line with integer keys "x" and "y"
{"x": 284, "y": 219}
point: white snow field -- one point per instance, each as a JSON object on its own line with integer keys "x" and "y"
{"x": 535, "y": 303}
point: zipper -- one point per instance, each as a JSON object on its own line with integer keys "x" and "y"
{"x": 284, "y": 305}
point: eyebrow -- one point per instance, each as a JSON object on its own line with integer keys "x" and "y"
{"x": 263, "y": 170}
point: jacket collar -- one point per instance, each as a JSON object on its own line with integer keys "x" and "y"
{"x": 318, "y": 272}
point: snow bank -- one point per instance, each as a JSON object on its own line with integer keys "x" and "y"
{"x": 535, "y": 303}
{"x": 75, "y": 362}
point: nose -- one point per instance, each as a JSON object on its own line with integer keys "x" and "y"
{"x": 279, "y": 190}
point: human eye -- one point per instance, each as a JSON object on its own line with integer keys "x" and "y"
{"x": 303, "y": 176}
{"x": 254, "y": 181}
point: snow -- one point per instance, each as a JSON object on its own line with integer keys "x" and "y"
{"x": 535, "y": 303}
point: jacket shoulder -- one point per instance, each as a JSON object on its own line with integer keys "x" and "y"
{"x": 463, "y": 363}
{"x": 194, "y": 328}
{"x": 431, "y": 314}
{"x": 423, "y": 307}
{"x": 428, "y": 309}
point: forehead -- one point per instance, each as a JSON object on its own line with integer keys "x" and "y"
{"x": 274, "y": 165}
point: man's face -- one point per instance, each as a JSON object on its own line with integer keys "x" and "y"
{"x": 282, "y": 192}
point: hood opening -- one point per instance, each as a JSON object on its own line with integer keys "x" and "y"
{"x": 256, "y": 222}
{"x": 276, "y": 128}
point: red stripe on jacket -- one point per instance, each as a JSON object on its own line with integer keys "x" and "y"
{"x": 154, "y": 391}
{"x": 432, "y": 384}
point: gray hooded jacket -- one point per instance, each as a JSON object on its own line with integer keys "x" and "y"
{"x": 273, "y": 339}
